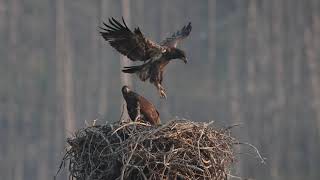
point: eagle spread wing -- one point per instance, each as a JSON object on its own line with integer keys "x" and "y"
{"x": 131, "y": 44}
{"x": 176, "y": 37}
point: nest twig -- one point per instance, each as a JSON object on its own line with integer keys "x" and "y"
{"x": 180, "y": 149}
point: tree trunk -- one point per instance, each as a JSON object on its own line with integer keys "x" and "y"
{"x": 103, "y": 61}
{"x": 4, "y": 114}
{"x": 313, "y": 60}
{"x": 211, "y": 41}
{"x": 164, "y": 9}
{"x": 279, "y": 100}
{"x": 15, "y": 159}
{"x": 213, "y": 83}
{"x": 234, "y": 91}
{"x": 234, "y": 82}
{"x": 124, "y": 61}
{"x": 64, "y": 59}
{"x": 312, "y": 45}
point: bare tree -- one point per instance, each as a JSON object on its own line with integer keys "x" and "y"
{"x": 234, "y": 91}
{"x": 4, "y": 80}
{"x": 251, "y": 55}
{"x": 234, "y": 82}
{"x": 15, "y": 153}
{"x": 312, "y": 46}
{"x": 314, "y": 62}
{"x": 277, "y": 55}
{"x": 165, "y": 8}
{"x": 211, "y": 40}
{"x": 103, "y": 65}
{"x": 124, "y": 61}
{"x": 65, "y": 87}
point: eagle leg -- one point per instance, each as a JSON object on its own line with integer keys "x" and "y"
{"x": 163, "y": 94}
{"x": 138, "y": 117}
{"x": 162, "y": 91}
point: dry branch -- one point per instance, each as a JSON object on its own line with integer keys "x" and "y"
{"x": 180, "y": 149}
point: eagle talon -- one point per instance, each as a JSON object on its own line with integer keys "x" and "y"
{"x": 137, "y": 119}
{"x": 163, "y": 94}
{"x": 162, "y": 89}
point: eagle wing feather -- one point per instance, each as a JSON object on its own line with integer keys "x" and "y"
{"x": 131, "y": 44}
{"x": 176, "y": 37}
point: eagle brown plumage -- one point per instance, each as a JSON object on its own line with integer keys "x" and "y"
{"x": 138, "y": 48}
{"x": 139, "y": 106}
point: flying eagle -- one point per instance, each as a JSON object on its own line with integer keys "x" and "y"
{"x": 137, "y": 47}
{"x": 139, "y": 107}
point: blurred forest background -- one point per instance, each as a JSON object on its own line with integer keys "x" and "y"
{"x": 255, "y": 62}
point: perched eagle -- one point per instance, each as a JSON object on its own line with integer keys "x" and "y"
{"x": 139, "y": 107}
{"x": 136, "y": 47}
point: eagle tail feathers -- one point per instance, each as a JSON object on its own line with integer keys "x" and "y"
{"x": 131, "y": 69}
{"x": 141, "y": 71}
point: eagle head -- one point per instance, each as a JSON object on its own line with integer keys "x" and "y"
{"x": 179, "y": 54}
{"x": 125, "y": 90}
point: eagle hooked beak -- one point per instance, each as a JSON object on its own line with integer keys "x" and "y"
{"x": 125, "y": 89}
{"x": 185, "y": 60}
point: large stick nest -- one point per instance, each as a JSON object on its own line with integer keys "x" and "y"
{"x": 179, "y": 149}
